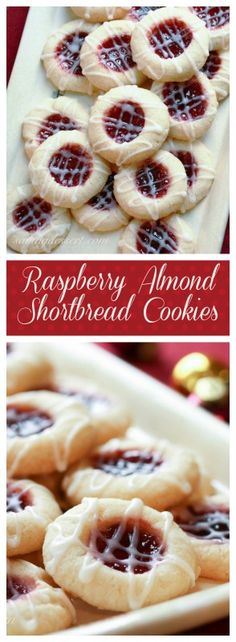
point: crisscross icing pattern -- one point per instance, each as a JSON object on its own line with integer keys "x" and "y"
{"x": 154, "y": 237}
{"x": 170, "y": 38}
{"x": 209, "y": 525}
{"x": 115, "y": 53}
{"x": 17, "y": 498}
{"x": 19, "y": 586}
{"x": 185, "y": 100}
{"x": 24, "y": 422}
{"x": 212, "y": 64}
{"x": 190, "y": 165}
{"x": 68, "y": 52}
{"x": 124, "y": 121}
{"x": 71, "y": 165}
{"x": 53, "y": 124}
{"x": 32, "y": 214}
{"x": 127, "y": 462}
{"x": 137, "y": 13}
{"x": 214, "y": 17}
{"x": 152, "y": 179}
{"x": 105, "y": 200}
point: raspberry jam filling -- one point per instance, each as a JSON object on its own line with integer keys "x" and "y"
{"x": 68, "y": 52}
{"x": 154, "y": 237}
{"x": 190, "y": 165}
{"x": 32, "y": 214}
{"x": 137, "y": 13}
{"x": 212, "y": 64}
{"x": 115, "y": 53}
{"x": 53, "y": 124}
{"x": 169, "y": 39}
{"x": 127, "y": 462}
{"x": 19, "y": 586}
{"x": 214, "y": 17}
{"x": 185, "y": 100}
{"x": 70, "y": 166}
{"x": 24, "y": 422}
{"x": 152, "y": 179}
{"x": 207, "y": 524}
{"x": 124, "y": 121}
{"x": 105, "y": 200}
{"x": 128, "y": 546}
{"x": 17, "y": 498}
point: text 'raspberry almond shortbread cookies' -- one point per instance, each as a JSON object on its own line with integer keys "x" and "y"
{"x": 216, "y": 69}
{"x": 199, "y": 167}
{"x": 192, "y": 106}
{"x": 171, "y": 235}
{"x": 104, "y": 543}
{"x": 152, "y": 189}
{"x": 216, "y": 20}
{"x": 65, "y": 171}
{"x": 54, "y": 115}
{"x": 99, "y": 14}
{"x": 45, "y": 432}
{"x": 27, "y": 368}
{"x": 33, "y": 224}
{"x": 122, "y": 468}
{"x": 106, "y": 56}
{"x": 127, "y": 124}
{"x": 102, "y": 212}
{"x": 170, "y": 44}
{"x": 61, "y": 57}
{"x": 34, "y": 606}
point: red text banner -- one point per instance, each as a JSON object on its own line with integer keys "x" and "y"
{"x": 112, "y": 297}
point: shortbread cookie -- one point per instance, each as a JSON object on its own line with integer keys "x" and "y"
{"x": 61, "y": 57}
{"x": 170, "y": 44}
{"x": 159, "y": 473}
{"x": 192, "y": 106}
{"x": 102, "y": 213}
{"x": 27, "y": 367}
{"x": 54, "y": 115}
{"x": 128, "y": 124}
{"x": 216, "y": 20}
{"x": 30, "y": 508}
{"x": 138, "y": 13}
{"x": 153, "y": 189}
{"x": 65, "y": 170}
{"x": 53, "y": 481}
{"x": 216, "y": 69}
{"x": 119, "y": 555}
{"x": 167, "y": 236}
{"x": 106, "y": 56}
{"x": 46, "y": 431}
{"x": 199, "y": 167}
{"x": 207, "y": 525}
{"x": 34, "y": 226}
{"x": 99, "y": 14}
{"x": 34, "y": 606}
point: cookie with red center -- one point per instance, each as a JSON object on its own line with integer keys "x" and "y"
{"x": 127, "y": 124}
{"x": 138, "y": 13}
{"x": 99, "y": 14}
{"x": 27, "y": 367}
{"x": 216, "y": 69}
{"x": 152, "y": 189}
{"x": 61, "y": 57}
{"x": 34, "y": 606}
{"x": 171, "y": 235}
{"x": 158, "y": 473}
{"x": 106, "y": 56}
{"x": 199, "y": 167}
{"x": 102, "y": 213}
{"x": 65, "y": 170}
{"x": 170, "y": 44}
{"x": 33, "y": 224}
{"x": 217, "y": 22}
{"x": 207, "y": 525}
{"x": 192, "y": 106}
{"x": 54, "y": 115}
{"x": 45, "y": 432}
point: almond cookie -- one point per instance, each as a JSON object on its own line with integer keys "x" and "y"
{"x": 199, "y": 167}
{"x": 153, "y": 189}
{"x": 216, "y": 20}
{"x": 159, "y": 474}
{"x": 65, "y": 170}
{"x": 119, "y": 555}
{"x": 27, "y": 367}
{"x": 170, "y": 44}
{"x": 61, "y": 57}
{"x": 128, "y": 124}
{"x": 216, "y": 69}
{"x": 99, "y": 14}
{"x": 34, "y": 606}
{"x": 46, "y": 431}
{"x": 30, "y": 508}
{"x": 34, "y": 226}
{"x": 102, "y": 213}
{"x": 138, "y": 13}
{"x": 207, "y": 525}
{"x": 54, "y": 115}
{"x": 169, "y": 236}
{"x": 192, "y": 106}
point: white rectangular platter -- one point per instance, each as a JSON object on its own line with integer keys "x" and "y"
{"x": 158, "y": 411}
{"x": 28, "y": 87}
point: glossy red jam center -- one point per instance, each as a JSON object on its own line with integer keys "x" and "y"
{"x": 71, "y": 166}
{"x": 19, "y": 586}
{"x": 207, "y": 524}
{"x": 127, "y": 462}
{"x": 124, "y": 121}
{"x": 68, "y": 52}
{"x": 185, "y": 100}
{"x": 53, "y": 124}
{"x": 169, "y": 39}
{"x": 154, "y": 237}
{"x": 24, "y": 422}
{"x": 152, "y": 179}
{"x": 137, "y": 13}
{"x": 214, "y": 17}
{"x": 17, "y": 498}
{"x": 32, "y": 214}
{"x": 190, "y": 165}
{"x": 105, "y": 200}
{"x": 127, "y": 546}
{"x": 212, "y": 64}
{"x": 115, "y": 53}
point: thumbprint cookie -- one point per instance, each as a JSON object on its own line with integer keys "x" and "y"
{"x": 216, "y": 20}
{"x": 138, "y": 13}
{"x": 102, "y": 213}
{"x": 216, "y": 69}
{"x": 27, "y": 367}
{"x": 99, "y": 14}
{"x": 171, "y": 235}
{"x": 199, "y": 167}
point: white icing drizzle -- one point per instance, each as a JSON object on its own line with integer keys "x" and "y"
{"x": 34, "y": 613}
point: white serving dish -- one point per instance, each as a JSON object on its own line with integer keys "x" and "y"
{"x": 28, "y": 87}
{"x": 158, "y": 411}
